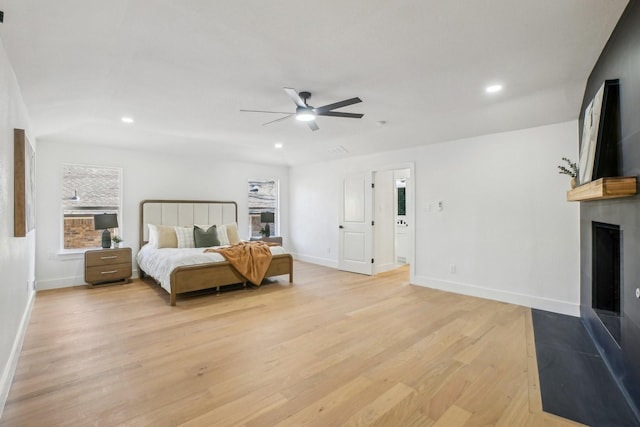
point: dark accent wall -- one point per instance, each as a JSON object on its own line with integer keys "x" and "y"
{"x": 620, "y": 59}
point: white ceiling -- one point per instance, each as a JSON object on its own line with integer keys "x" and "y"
{"x": 183, "y": 70}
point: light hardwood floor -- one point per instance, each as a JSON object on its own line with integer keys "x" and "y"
{"x": 333, "y": 349}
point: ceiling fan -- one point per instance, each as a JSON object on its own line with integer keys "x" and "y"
{"x": 307, "y": 113}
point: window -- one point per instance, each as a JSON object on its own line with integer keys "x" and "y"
{"x": 402, "y": 197}
{"x": 263, "y": 198}
{"x": 88, "y": 191}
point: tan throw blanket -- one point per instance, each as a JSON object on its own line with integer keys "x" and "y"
{"x": 250, "y": 259}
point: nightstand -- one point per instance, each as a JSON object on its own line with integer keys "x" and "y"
{"x": 272, "y": 239}
{"x": 107, "y": 266}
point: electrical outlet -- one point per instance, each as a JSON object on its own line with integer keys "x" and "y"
{"x": 452, "y": 268}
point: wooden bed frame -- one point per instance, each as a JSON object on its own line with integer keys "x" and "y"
{"x": 202, "y": 276}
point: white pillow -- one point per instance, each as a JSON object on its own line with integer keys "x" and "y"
{"x": 185, "y": 237}
{"x": 222, "y": 235}
{"x": 153, "y": 235}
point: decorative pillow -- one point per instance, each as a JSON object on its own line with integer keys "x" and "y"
{"x": 162, "y": 236}
{"x": 185, "y": 237}
{"x": 167, "y": 237}
{"x": 232, "y": 233}
{"x": 222, "y": 235}
{"x": 205, "y": 238}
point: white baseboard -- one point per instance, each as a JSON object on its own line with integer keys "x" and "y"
{"x": 64, "y": 282}
{"x": 385, "y": 267}
{"x": 10, "y": 368}
{"x": 332, "y": 263}
{"x": 67, "y": 282}
{"x": 547, "y": 304}
{"x": 316, "y": 260}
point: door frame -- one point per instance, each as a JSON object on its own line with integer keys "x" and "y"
{"x": 411, "y": 211}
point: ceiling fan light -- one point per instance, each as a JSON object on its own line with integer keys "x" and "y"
{"x": 305, "y": 117}
{"x": 305, "y": 114}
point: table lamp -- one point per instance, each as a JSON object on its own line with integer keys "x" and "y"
{"x": 267, "y": 218}
{"x": 104, "y": 222}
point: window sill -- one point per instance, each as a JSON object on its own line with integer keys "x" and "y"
{"x": 74, "y": 253}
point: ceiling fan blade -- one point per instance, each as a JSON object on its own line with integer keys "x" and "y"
{"x": 277, "y": 120}
{"x": 312, "y": 125}
{"x": 325, "y": 108}
{"x": 339, "y": 114}
{"x": 262, "y": 111}
{"x": 296, "y": 98}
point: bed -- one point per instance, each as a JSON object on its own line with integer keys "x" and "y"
{"x": 187, "y": 270}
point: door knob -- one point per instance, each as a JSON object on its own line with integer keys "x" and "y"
{"x": 341, "y": 226}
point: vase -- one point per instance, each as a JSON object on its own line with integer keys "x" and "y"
{"x": 574, "y": 182}
{"x": 116, "y": 245}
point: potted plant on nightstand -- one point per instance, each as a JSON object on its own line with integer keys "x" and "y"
{"x": 116, "y": 241}
{"x": 571, "y": 170}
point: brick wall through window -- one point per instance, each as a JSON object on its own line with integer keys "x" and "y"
{"x": 79, "y": 233}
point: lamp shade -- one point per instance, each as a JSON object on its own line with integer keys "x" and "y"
{"x": 267, "y": 217}
{"x": 104, "y": 221}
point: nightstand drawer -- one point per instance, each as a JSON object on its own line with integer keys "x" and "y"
{"x": 107, "y": 273}
{"x": 107, "y": 257}
{"x": 107, "y": 266}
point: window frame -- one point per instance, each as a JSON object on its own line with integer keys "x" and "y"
{"x": 276, "y": 224}
{"x": 64, "y": 207}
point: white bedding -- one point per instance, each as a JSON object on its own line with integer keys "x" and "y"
{"x": 159, "y": 263}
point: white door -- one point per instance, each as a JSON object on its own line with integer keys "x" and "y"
{"x": 384, "y": 218}
{"x": 356, "y": 229}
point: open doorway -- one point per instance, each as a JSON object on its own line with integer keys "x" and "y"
{"x": 393, "y": 226}
{"x": 401, "y": 237}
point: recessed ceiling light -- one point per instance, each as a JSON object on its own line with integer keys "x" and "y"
{"x": 493, "y": 88}
{"x": 278, "y": 145}
{"x": 127, "y": 120}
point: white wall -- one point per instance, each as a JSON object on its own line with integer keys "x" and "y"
{"x": 145, "y": 176}
{"x": 17, "y": 254}
{"x": 505, "y": 224}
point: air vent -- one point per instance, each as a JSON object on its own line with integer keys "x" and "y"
{"x": 338, "y": 150}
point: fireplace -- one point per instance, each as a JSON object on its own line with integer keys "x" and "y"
{"x": 606, "y": 264}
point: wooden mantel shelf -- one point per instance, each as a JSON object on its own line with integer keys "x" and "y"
{"x": 604, "y": 188}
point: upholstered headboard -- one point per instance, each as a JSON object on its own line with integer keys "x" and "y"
{"x": 184, "y": 213}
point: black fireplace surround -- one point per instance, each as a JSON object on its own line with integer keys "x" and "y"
{"x": 610, "y": 229}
